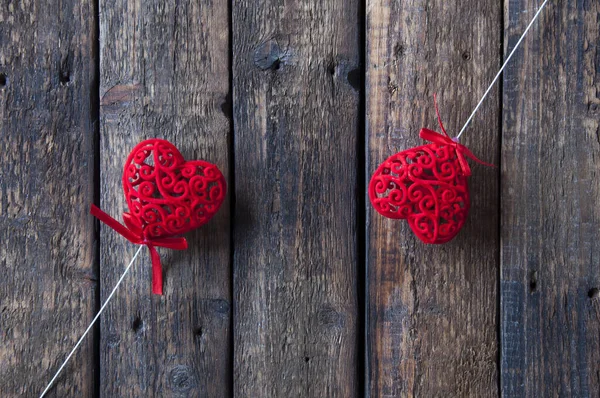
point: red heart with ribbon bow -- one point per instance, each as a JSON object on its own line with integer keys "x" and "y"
{"x": 167, "y": 196}
{"x": 427, "y": 185}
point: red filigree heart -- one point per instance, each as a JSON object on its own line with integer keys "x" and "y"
{"x": 167, "y": 195}
{"x": 427, "y": 186}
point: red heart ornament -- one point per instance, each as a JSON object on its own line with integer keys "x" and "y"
{"x": 167, "y": 196}
{"x": 427, "y": 186}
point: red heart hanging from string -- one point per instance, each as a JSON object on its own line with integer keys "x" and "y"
{"x": 167, "y": 196}
{"x": 427, "y": 185}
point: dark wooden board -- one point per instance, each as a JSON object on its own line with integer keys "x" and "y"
{"x": 47, "y": 238}
{"x": 436, "y": 324}
{"x": 296, "y": 80}
{"x": 550, "y": 310}
{"x": 432, "y": 310}
{"x": 164, "y": 74}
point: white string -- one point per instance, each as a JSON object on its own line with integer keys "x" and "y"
{"x": 93, "y": 321}
{"x": 501, "y": 70}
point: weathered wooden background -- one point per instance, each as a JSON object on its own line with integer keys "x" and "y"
{"x": 298, "y": 288}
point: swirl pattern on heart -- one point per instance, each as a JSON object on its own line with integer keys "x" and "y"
{"x": 167, "y": 195}
{"x": 425, "y": 185}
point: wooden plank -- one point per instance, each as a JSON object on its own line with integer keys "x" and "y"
{"x": 165, "y": 74}
{"x": 47, "y": 249}
{"x": 432, "y": 309}
{"x": 296, "y": 79}
{"x": 550, "y": 309}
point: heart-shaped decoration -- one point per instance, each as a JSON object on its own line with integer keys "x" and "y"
{"x": 426, "y": 185}
{"x": 166, "y": 194}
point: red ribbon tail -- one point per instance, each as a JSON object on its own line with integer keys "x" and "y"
{"x": 439, "y": 117}
{"x": 469, "y": 154}
{"x": 136, "y": 237}
{"x": 171, "y": 243}
{"x": 464, "y": 165}
{"x": 444, "y": 139}
{"x": 114, "y": 224}
{"x": 157, "y": 277}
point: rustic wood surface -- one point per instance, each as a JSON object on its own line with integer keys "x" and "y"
{"x": 550, "y": 317}
{"x": 48, "y": 257}
{"x": 164, "y": 73}
{"x": 296, "y": 84}
{"x": 433, "y": 309}
{"x": 298, "y": 288}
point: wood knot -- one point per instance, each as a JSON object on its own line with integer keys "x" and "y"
{"x": 269, "y": 56}
{"x": 119, "y": 96}
{"x": 330, "y": 317}
{"x": 220, "y": 307}
{"x": 182, "y": 379}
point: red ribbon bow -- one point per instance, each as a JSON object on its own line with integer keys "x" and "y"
{"x": 135, "y": 234}
{"x": 444, "y": 139}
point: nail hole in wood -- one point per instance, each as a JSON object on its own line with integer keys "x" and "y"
{"x": 533, "y": 282}
{"x": 399, "y": 50}
{"x": 354, "y": 78}
{"x": 331, "y": 68}
{"x": 466, "y": 55}
{"x": 532, "y": 286}
{"x": 138, "y": 326}
{"x": 276, "y": 64}
{"x": 199, "y": 332}
{"x": 594, "y": 293}
{"x": 307, "y": 359}
{"x": 64, "y": 77}
{"x": 226, "y": 108}
{"x": 3, "y": 80}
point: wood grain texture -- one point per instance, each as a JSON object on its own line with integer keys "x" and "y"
{"x": 47, "y": 238}
{"x": 550, "y": 219}
{"x": 296, "y": 79}
{"x": 432, "y": 309}
{"x": 165, "y": 74}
